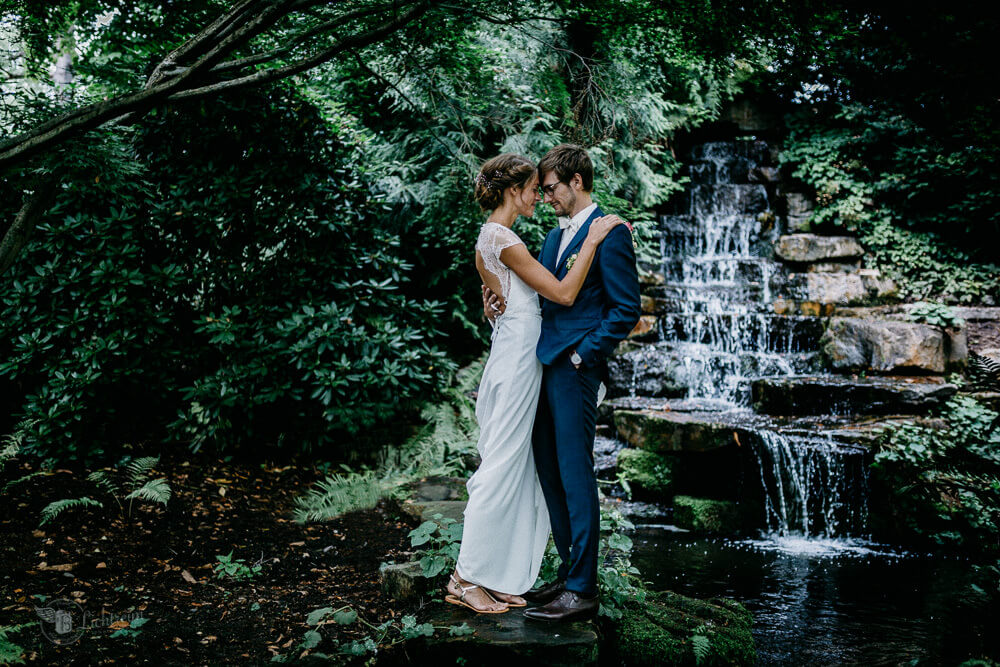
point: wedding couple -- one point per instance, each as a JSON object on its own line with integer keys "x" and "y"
{"x": 537, "y": 401}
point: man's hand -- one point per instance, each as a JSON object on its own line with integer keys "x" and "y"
{"x": 492, "y": 304}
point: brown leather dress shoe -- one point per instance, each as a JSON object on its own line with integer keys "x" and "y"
{"x": 544, "y": 594}
{"x": 567, "y": 606}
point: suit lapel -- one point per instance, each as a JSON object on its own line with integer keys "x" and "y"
{"x": 577, "y": 241}
{"x": 549, "y": 250}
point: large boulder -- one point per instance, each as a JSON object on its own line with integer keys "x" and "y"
{"x": 645, "y": 371}
{"x": 671, "y": 629}
{"x": 802, "y": 248}
{"x": 648, "y": 473}
{"x": 840, "y": 288}
{"x": 704, "y": 515}
{"x": 886, "y": 346}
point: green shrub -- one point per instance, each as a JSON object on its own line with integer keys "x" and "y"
{"x": 237, "y": 284}
{"x": 945, "y": 481}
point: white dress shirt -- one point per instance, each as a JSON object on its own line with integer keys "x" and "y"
{"x": 570, "y": 226}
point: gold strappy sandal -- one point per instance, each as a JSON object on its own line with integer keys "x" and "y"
{"x": 460, "y": 600}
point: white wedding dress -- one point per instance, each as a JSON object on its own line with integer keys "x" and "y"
{"x": 506, "y": 520}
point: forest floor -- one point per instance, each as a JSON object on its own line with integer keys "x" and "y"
{"x": 160, "y": 565}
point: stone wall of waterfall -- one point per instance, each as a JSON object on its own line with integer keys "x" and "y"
{"x": 767, "y": 358}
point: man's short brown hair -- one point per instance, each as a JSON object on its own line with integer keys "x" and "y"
{"x": 566, "y": 160}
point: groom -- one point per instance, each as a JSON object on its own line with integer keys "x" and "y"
{"x": 573, "y": 346}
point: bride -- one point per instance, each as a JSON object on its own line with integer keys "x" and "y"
{"x": 506, "y": 520}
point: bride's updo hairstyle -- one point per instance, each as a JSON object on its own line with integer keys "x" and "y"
{"x": 499, "y": 173}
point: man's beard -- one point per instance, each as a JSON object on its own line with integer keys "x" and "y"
{"x": 568, "y": 206}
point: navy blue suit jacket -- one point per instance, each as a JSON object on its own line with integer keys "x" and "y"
{"x": 608, "y": 306}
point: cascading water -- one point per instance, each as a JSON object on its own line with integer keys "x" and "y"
{"x": 811, "y": 487}
{"x": 719, "y": 332}
{"x": 720, "y": 322}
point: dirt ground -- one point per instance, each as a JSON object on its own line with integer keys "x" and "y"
{"x": 159, "y": 564}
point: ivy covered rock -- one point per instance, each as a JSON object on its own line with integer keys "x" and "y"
{"x": 704, "y": 515}
{"x": 671, "y": 629}
{"x": 648, "y": 472}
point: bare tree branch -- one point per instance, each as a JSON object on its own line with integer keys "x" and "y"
{"x": 17, "y": 235}
{"x": 238, "y": 25}
{"x": 273, "y": 74}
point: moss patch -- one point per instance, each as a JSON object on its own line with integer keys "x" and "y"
{"x": 647, "y": 471}
{"x": 671, "y": 629}
{"x": 706, "y": 516}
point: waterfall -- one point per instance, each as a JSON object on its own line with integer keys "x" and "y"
{"x": 720, "y": 322}
{"x": 719, "y": 332}
{"x": 812, "y": 487}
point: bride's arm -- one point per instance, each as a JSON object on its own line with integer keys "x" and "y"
{"x": 564, "y": 292}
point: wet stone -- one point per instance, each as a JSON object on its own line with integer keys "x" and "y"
{"x": 505, "y": 639}
{"x": 820, "y": 395}
{"x": 606, "y": 456}
{"x": 403, "y": 581}
{"x": 675, "y": 431}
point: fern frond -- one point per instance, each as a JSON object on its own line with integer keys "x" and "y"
{"x": 155, "y": 491}
{"x": 339, "y": 494}
{"x": 10, "y": 449}
{"x": 138, "y": 470}
{"x": 10, "y": 653}
{"x": 11, "y": 484}
{"x": 702, "y": 648}
{"x": 52, "y": 510}
{"x": 106, "y": 480}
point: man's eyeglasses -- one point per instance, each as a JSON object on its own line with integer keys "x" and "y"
{"x": 549, "y": 189}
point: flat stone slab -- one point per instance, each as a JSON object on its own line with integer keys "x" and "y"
{"x": 509, "y": 639}
{"x": 703, "y": 431}
{"x": 660, "y": 431}
{"x": 853, "y": 432}
{"x": 824, "y": 394}
{"x": 802, "y": 248}
{"x": 839, "y": 288}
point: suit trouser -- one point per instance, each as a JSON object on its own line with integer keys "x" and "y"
{"x": 563, "y": 445}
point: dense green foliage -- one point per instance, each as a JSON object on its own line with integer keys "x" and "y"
{"x": 234, "y": 286}
{"x": 945, "y": 481}
{"x": 292, "y": 264}
{"x": 444, "y": 445}
{"x": 897, "y": 134}
{"x": 239, "y": 271}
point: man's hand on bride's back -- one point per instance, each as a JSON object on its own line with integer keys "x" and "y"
{"x": 493, "y": 306}
{"x": 600, "y": 227}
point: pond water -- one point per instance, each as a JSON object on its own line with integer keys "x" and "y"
{"x": 834, "y": 601}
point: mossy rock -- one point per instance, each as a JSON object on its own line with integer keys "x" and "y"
{"x": 704, "y": 515}
{"x": 671, "y": 629}
{"x": 650, "y": 472}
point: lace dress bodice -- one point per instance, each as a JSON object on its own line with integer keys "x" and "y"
{"x": 494, "y": 238}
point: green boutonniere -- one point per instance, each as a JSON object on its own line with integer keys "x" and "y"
{"x": 570, "y": 261}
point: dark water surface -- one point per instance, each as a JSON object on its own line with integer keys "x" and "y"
{"x": 832, "y": 602}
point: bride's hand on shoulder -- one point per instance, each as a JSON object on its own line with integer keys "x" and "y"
{"x": 600, "y": 227}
